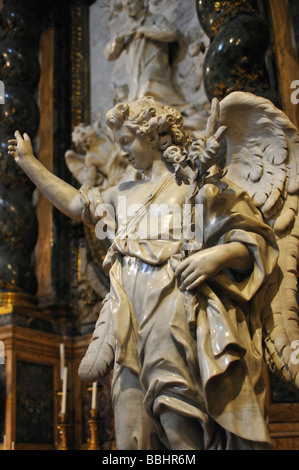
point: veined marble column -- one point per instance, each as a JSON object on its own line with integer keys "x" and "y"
{"x": 19, "y": 70}
{"x": 240, "y": 38}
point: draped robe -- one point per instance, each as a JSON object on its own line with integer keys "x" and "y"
{"x": 196, "y": 354}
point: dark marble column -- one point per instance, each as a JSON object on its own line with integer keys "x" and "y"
{"x": 240, "y": 38}
{"x": 294, "y": 7}
{"x": 19, "y": 70}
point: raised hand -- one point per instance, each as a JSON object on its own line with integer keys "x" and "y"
{"x": 62, "y": 195}
{"x": 20, "y": 147}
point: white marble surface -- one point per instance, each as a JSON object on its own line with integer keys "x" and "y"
{"x": 187, "y": 69}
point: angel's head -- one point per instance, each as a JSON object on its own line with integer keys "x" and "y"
{"x": 84, "y": 137}
{"x": 135, "y": 8}
{"x": 145, "y": 129}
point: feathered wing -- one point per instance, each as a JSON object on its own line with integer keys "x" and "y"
{"x": 263, "y": 158}
{"x": 100, "y": 353}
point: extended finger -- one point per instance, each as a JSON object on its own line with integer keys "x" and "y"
{"x": 18, "y": 136}
{"x": 182, "y": 266}
{"x": 197, "y": 282}
{"x": 189, "y": 280}
{"x": 187, "y": 272}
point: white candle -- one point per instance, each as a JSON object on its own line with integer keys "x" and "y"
{"x": 64, "y": 391}
{"x": 12, "y": 445}
{"x": 61, "y": 346}
{"x": 94, "y": 396}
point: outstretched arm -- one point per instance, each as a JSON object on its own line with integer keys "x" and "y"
{"x": 62, "y": 195}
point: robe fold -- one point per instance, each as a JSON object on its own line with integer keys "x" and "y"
{"x": 198, "y": 354}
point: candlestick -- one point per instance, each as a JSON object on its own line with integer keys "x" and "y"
{"x": 62, "y": 425}
{"x": 62, "y": 359}
{"x": 94, "y": 396}
{"x": 64, "y": 391}
{"x": 93, "y": 442}
{"x": 62, "y": 430}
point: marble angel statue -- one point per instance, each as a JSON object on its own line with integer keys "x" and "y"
{"x": 187, "y": 319}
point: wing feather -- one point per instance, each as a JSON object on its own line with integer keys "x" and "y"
{"x": 263, "y": 157}
{"x": 100, "y": 352}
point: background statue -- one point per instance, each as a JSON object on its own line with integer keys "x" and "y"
{"x": 145, "y": 38}
{"x": 184, "y": 319}
{"x": 95, "y": 158}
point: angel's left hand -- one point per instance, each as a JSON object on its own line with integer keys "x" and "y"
{"x": 198, "y": 267}
{"x": 205, "y": 264}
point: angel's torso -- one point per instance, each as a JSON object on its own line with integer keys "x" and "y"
{"x": 159, "y": 203}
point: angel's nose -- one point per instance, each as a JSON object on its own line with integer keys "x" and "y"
{"x": 124, "y": 154}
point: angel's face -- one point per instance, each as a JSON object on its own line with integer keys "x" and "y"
{"x": 136, "y": 148}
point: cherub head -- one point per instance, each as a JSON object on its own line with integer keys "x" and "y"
{"x": 85, "y": 137}
{"x": 145, "y": 129}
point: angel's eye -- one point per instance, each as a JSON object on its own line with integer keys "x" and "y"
{"x": 124, "y": 141}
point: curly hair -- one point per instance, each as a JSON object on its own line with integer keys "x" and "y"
{"x": 149, "y": 117}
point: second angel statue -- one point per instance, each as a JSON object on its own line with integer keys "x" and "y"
{"x": 186, "y": 320}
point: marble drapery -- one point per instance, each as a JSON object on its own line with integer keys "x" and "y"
{"x": 210, "y": 342}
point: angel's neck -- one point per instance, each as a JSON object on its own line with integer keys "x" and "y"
{"x": 157, "y": 170}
